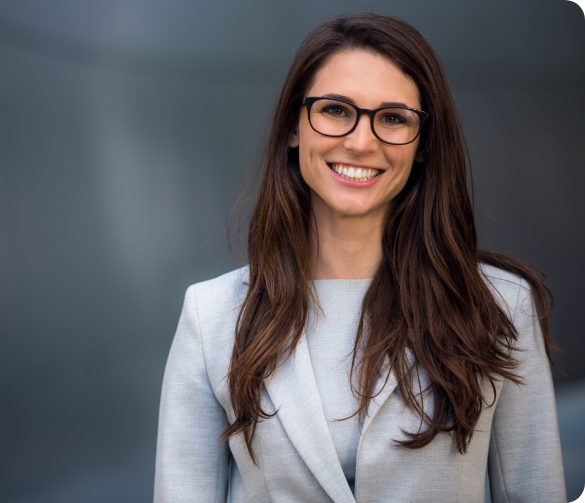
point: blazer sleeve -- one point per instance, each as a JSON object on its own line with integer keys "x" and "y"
{"x": 525, "y": 463}
{"x": 190, "y": 464}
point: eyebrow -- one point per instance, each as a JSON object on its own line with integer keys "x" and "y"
{"x": 335, "y": 96}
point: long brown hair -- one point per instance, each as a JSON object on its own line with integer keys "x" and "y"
{"x": 428, "y": 294}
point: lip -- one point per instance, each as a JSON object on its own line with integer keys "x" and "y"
{"x": 356, "y": 165}
{"x": 351, "y": 183}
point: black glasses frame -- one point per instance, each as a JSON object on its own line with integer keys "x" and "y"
{"x": 309, "y": 101}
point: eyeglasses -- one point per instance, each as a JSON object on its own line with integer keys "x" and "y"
{"x": 393, "y": 125}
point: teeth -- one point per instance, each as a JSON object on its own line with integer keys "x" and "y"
{"x": 355, "y": 174}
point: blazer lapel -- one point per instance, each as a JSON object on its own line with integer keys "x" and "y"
{"x": 294, "y": 394}
{"x": 385, "y": 390}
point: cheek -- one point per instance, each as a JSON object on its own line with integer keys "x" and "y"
{"x": 405, "y": 172}
{"x": 401, "y": 158}
{"x": 402, "y": 167}
{"x": 311, "y": 155}
{"x": 305, "y": 165}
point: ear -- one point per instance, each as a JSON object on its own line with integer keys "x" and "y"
{"x": 293, "y": 140}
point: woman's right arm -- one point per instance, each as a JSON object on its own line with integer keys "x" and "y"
{"x": 190, "y": 464}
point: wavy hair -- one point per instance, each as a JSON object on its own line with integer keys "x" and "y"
{"x": 428, "y": 294}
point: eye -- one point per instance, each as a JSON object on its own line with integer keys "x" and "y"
{"x": 334, "y": 110}
{"x": 327, "y": 114}
{"x": 392, "y": 119}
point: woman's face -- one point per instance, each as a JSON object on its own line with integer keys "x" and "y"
{"x": 368, "y": 81}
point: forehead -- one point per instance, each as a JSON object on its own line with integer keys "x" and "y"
{"x": 368, "y": 79}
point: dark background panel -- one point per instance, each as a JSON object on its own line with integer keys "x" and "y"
{"x": 126, "y": 130}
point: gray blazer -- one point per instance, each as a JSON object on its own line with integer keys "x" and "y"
{"x": 516, "y": 439}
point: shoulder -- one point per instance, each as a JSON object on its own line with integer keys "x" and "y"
{"x": 231, "y": 281}
{"x": 216, "y": 304}
{"x": 213, "y": 307}
{"x": 217, "y": 297}
{"x": 515, "y": 297}
{"x": 507, "y": 288}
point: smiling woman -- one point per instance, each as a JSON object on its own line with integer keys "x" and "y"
{"x": 341, "y": 152}
{"x": 370, "y": 351}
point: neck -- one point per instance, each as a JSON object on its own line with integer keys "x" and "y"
{"x": 344, "y": 247}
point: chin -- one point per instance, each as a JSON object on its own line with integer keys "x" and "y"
{"x": 356, "y": 211}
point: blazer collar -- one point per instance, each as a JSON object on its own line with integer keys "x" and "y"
{"x": 294, "y": 394}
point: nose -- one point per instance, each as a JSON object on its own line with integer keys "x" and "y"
{"x": 362, "y": 140}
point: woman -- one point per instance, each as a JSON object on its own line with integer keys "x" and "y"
{"x": 370, "y": 351}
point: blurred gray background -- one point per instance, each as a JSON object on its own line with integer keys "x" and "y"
{"x": 126, "y": 128}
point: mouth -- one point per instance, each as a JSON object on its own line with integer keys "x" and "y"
{"x": 354, "y": 174}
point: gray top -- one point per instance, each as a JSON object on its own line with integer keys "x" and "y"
{"x": 331, "y": 336}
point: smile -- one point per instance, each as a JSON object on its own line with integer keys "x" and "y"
{"x": 355, "y": 174}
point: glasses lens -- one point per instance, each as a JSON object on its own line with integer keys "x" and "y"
{"x": 397, "y": 125}
{"x": 332, "y": 117}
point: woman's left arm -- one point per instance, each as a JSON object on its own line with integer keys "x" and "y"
{"x": 525, "y": 463}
